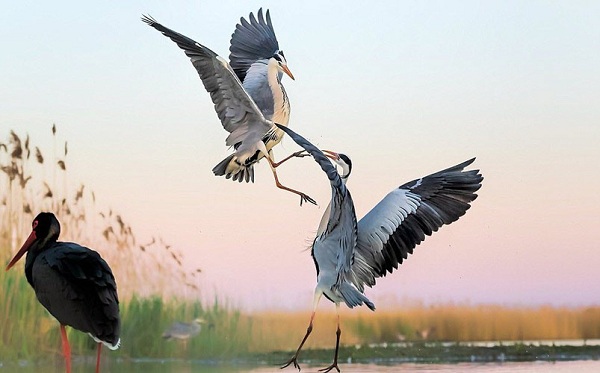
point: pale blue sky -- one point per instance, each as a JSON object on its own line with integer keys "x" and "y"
{"x": 405, "y": 88}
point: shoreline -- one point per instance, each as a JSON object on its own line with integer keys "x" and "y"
{"x": 383, "y": 354}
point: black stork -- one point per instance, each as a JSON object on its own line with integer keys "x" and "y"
{"x": 73, "y": 283}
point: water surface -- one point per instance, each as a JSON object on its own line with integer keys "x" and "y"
{"x": 175, "y": 366}
{"x": 485, "y": 357}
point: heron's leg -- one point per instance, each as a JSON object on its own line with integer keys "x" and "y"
{"x": 299, "y": 154}
{"x": 66, "y": 347}
{"x": 337, "y": 343}
{"x": 98, "y": 357}
{"x": 294, "y": 359}
{"x": 268, "y": 154}
{"x": 303, "y": 197}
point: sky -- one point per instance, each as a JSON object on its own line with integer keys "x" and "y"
{"x": 405, "y": 88}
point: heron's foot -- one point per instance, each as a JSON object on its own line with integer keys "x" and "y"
{"x": 306, "y": 198}
{"x": 301, "y": 154}
{"x": 294, "y": 361}
{"x": 329, "y": 368}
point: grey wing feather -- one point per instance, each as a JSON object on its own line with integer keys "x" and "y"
{"x": 342, "y": 219}
{"x": 256, "y": 84}
{"x": 236, "y": 109}
{"x": 402, "y": 220}
{"x": 252, "y": 41}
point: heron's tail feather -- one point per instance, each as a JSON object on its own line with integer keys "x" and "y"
{"x": 353, "y": 297}
{"x": 231, "y": 168}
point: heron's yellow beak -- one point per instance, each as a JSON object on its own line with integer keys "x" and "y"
{"x": 332, "y": 155}
{"x": 287, "y": 71}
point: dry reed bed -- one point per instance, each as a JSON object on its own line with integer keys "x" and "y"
{"x": 283, "y": 330}
{"x": 34, "y": 180}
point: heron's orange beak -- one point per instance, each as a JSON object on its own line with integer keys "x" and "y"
{"x": 32, "y": 237}
{"x": 287, "y": 71}
{"x": 332, "y": 155}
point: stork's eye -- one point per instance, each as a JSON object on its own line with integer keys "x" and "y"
{"x": 34, "y": 224}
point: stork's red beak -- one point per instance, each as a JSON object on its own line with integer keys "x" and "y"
{"x": 32, "y": 237}
{"x": 287, "y": 71}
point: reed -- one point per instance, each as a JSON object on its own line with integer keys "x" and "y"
{"x": 28, "y": 332}
{"x": 283, "y": 330}
{"x": 151, "y": 267}
{"x": 32, "y": 180}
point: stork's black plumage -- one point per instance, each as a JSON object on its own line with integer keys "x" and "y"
{"x": 72, "y": 282}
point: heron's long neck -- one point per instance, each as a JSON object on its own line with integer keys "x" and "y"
{"x": 324, "y": 220}
{"x": 327, "y": 213}
{"x": 281, "y": 104}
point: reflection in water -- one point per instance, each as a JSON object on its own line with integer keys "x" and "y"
{"x": 587, "y": 366}
{"x": 178, "y": 366}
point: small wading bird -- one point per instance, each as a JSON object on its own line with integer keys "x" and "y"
{"x": 350, "y": 254}
{"x": 73, "y": 283}
{"x": 183, "y": 331}
{"x": 248, "y": 94}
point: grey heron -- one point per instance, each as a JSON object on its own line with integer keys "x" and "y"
{"x": 350, "y": 254}
{"x": 247, "y": 94}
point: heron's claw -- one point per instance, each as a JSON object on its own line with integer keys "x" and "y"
{"x": 329, "y": 368}
{"x": 306, "y": 198}
{"x": 301, "y": 154}
{"x": 291, "y": 361}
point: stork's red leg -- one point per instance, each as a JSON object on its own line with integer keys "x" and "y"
{"x": 98, "y": 357}
{"x": 66, "y": 347}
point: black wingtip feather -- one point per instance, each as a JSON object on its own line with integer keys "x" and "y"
{"x": 444, "y": 196}
{"x": 148, "y": 19}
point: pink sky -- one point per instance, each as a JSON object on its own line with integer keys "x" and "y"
{"x": 403, "y": 89}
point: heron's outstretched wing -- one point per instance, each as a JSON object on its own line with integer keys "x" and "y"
{"x": 236, "y": 109}
{"x": 392, "y": 229}
{"x": 341, "y": 232}
{"x": 252, "y": 41}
